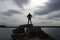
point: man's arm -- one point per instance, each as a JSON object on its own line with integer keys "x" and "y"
{"x": 31, "y": 15}
{"x": 27, "y": 15}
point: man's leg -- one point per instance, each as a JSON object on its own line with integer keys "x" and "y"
{"x": 28, "y": 21}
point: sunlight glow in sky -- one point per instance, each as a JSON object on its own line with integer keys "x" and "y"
{"x": 38, "y": 2}
{"x": 34, "y": 4}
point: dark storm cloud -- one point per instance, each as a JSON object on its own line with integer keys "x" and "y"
{"x": 39, "y": 12}
{"x": 54, "y": 16}
{"x": 21, "y": 2}
{"x": 10, "y": 12}
{"x": 53, "y": 5}
{"x": 3, "y": 18}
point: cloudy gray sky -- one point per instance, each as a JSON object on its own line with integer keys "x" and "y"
{"x": 45, "y": 12}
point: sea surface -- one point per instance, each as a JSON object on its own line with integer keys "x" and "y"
{"x": 5, "y": 33}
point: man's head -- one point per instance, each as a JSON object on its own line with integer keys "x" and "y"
{"x": 29, "y": 13}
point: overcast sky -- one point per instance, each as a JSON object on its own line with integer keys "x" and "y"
{"x": 45, "y": 12}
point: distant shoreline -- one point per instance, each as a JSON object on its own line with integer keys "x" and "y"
{"x": 37, "y": 26}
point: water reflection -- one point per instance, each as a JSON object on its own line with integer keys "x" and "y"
{"x": 54, "y": 32}
{"x": 5, "y": 33}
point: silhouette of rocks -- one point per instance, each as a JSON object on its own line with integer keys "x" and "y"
{"x": 31, "y": 33}
{"x": 20, "y": 29}
{"x": 3, "y": 26}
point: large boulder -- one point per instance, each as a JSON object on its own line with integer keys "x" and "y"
{"x": 21, "y": 28}
{"x": 32, "y": 32}
{"x": 33, "y": 29}
{"x": 26, "y": 26}
{"x": 18, "y": 30}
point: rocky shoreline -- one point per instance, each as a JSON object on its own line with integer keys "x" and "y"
{"x": 29, "y": 32}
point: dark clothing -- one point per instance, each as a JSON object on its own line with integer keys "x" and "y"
{"x": 29, "y": 16}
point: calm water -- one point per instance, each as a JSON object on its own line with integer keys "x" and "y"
{"x": 5, "y": 33}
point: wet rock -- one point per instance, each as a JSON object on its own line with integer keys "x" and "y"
{"x": 32, "y": 33}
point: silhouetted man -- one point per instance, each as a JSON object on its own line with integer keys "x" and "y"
{"x": 29, "y": 16}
